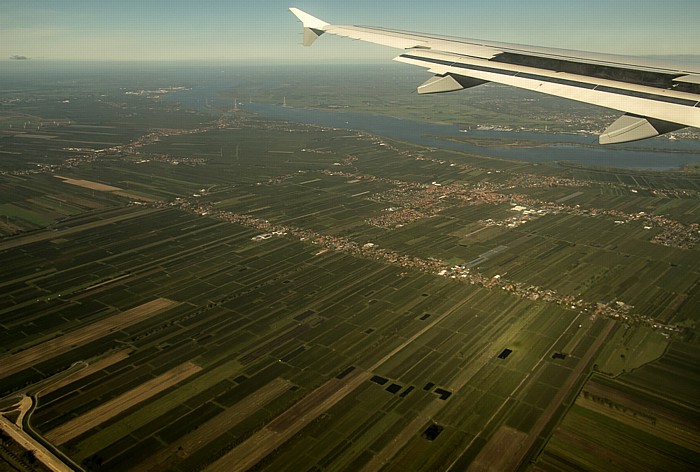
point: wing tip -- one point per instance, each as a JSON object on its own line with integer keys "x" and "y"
{"x": 313, "y": 27}
{"x": 309, "y": 21}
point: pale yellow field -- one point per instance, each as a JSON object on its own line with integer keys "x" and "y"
{"x": 81, "y": 336}
{"x": 112, "y": 408}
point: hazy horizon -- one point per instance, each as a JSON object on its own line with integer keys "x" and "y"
{"x": 218, "y": 30}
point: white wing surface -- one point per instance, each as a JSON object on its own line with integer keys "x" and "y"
{"x": 656, "y": 96}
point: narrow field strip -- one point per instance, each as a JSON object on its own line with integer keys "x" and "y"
{"x": 215, "y": 427}
{"x": 248, "y": 453}
{"x": 61, "y": 233}
{"x": 123, "y": 402}
{"x": 88, "y": 184}
{"x": 89, "y": 370}
{"x": 320, "y": 400}
{"x": 494, "y": 456}
{"x": 620, "y": 408}
{"x": 81, "y": 336}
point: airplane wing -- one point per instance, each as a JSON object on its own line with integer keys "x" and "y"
{"x": 657, "y": 97}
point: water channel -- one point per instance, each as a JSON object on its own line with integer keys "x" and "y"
{"x": 656, "y": 154}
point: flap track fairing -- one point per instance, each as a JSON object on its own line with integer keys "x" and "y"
{"x": 448, "y": 83}
{"x": 631, "y": 127}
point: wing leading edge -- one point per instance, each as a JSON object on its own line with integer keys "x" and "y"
{"x": 657, "y": 97}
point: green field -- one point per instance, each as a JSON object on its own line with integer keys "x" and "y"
{"x": 350, "y": 305}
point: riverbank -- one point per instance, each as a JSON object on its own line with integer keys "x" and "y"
{"x": 659, "y": 154}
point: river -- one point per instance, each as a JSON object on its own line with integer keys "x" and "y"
{"x": 653, "y": 154}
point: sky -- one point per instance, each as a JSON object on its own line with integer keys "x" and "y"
{"x": 265, "y": 32}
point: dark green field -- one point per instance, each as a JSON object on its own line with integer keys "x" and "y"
{"x": 338, "y": 304}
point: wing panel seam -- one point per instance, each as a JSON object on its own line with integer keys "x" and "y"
{"x": 566, "y": 82}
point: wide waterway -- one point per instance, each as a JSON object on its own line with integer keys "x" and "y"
{"x": 657, "y": 154}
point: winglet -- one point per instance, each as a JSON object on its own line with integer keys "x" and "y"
{"x": 313, "y": 27}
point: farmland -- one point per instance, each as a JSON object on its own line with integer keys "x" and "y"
{"x": 217, "y": 291}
